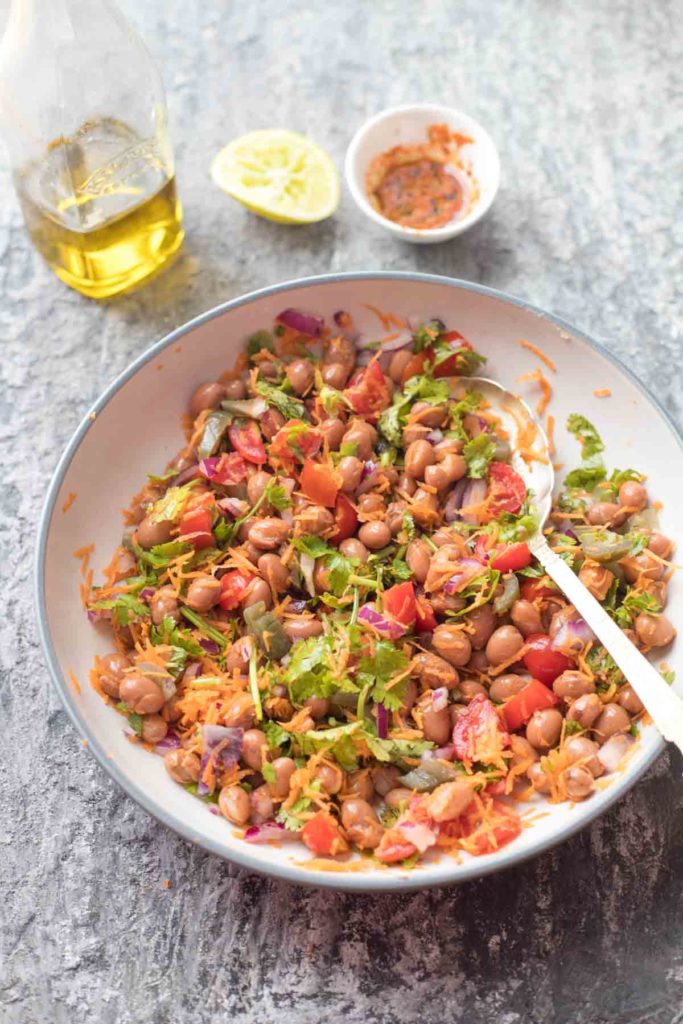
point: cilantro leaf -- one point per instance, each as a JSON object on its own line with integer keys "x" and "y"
{"x": 311, "y": 545}
{"x": 169, "y": 633}
{"x": 277, "y": 496}
{"x": 478, "y": 454}
{"x": 337, "y": 741}
{"x": 390, "y": 423}
{"x": 276, "y": 736}
{"x": 172, "y": 505}
{"x": 290, "y": 818}
{"x": 425, "y": 388}
{"x": 427, "y": 334}
{"x": 467, "y": 360}
{"x": 400, "y": 570}
{"x": 313, "y": 670}
{"x": 377, "y": 670}
{"x": 291, "y": 408}
{"x": 258, "y": 341}
{"x": 125, "y": 608}
{"x": 592, "y": 469}
{"x": 620, "y": 476}
{"x": 396, "y": 750}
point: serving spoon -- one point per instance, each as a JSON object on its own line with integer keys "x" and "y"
{"x": 661, "y": 703}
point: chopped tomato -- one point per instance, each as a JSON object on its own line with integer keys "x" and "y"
{"x": 233, "y": 588}
{"x": 535, "y": 589}
{"x": 452, "y": 366}
{"x": 322, "y": 835}
{"x": 320, "y": 483}
{"x": 345, "y": 518}
{"x": 477, "y": 731}
{"x": 520, "y": 707}
{"x": 425, "y": 619}
{"x": 507, "y": 490}
{"x": 245, "y": 437}
{"x": 195, "y": 527}
{"x": 368, "y": 392}
{"x": 542, "y": 661}
{"x": 510, "y": 557}
{"x": 393, "y": 847}
{"x": 230, "y": 468}
{"x": 399, "y": 602}
{"x": 296, "y": 440}
{"x": 486, "y": 836}
{"x": 416, "y": 365}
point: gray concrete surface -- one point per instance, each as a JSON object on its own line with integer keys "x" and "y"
{"x": 583, "y": 99}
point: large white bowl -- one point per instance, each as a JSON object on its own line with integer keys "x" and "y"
{"x": 134, "y": 429}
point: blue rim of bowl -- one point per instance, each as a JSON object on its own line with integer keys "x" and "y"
{"x": 381, "y": 881}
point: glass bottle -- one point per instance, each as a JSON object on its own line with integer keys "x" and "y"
{"x": 84, "y": 117}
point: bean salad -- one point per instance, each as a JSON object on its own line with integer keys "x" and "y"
{"x": 326, "y": 617}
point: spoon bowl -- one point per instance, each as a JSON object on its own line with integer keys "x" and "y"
{"x": 538, "y": 474}
{"x": 663, "y": 706}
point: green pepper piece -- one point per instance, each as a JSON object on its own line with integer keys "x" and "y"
{"x": 602, "y": 545}
{"x": 214, "y": 428}
{"x": 267, "y": 630}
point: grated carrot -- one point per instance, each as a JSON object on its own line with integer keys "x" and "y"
{"x": 540, "y": 353}
{"x": 550, "y": 432}
{"x": 387, "y": 320}
{"x": 71, "y": 497}
{"x": 602, "y": 392}
{"x": 74, "y": 682}
{"x": 544, "y": 384}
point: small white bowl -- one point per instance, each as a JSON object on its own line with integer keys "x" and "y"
{"x": 408, "y": 125}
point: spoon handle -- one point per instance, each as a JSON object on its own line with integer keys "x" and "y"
{"x": 664, "y": 707}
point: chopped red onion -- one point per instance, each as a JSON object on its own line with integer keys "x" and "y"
{"x": 305, "y": 323}
{"x": 421, "y": 836}
{"x": 404, "y": 339}
{"x": 192, "y": 670}
{"x": 382, "y": 721}
{"x": 454, "y": 501}
{"x": 435, "y": 436}
{"x": 470, "y": 568}
{"x": 146, "y": 593}
{"x": 440, "y": 698}
{"x": 210, "y": 646}
{"x": 612, "y": 753}
{"x": 446, "y": 753}
{"x": 298, "y": 606}
{"x": 170, "y": 742}
{"x": 268, "y": 831}
{"x": 475, "y": 492}
{"x": 185, "y": 475}
{"x": 572, "y": 637}
{"x": 465, "y": 185}
{"x": 307, "y": 566}
{"x": 234, "y": 507}
{"x": 223, "y": 745}
{"x": 98, "y": 615}
{"x": 369, "y": 616}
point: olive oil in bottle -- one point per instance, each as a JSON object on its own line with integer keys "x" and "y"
{"x": 83, "y": 113}
{"x": 101, "y": 209}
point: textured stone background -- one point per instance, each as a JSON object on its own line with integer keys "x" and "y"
{"x": 583, "y": 99}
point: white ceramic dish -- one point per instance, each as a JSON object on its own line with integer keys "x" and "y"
{"x": 134, "y": 429}
{"x": 400, "y": 126}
